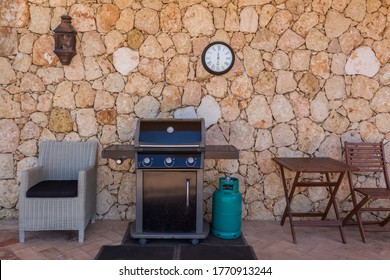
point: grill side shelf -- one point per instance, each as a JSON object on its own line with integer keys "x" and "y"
{"x": 118, "y": 151}
{"x": 221, "y": 152}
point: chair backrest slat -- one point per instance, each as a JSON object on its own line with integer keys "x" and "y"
{"x": 368, "y": 157}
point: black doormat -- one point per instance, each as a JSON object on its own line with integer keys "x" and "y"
{"x": 211, "y": 248}
{"x": 135, "y": 252}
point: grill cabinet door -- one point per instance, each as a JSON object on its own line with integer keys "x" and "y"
{"x": 169, "y": 201}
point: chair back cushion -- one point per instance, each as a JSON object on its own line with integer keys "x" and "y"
{"x": 63, "y": 160}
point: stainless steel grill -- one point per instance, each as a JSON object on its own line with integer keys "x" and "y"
{"x": 169, "y": 158}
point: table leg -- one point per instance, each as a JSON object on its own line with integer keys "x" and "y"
{"x": 332, "y": 201}
{"x": 355, "y": 209}
{"x": 289, "y": 197}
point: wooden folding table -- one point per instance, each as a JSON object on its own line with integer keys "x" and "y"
{"x": 322, "y": 165}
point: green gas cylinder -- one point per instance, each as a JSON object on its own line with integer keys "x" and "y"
{"x": 226, "y": 211}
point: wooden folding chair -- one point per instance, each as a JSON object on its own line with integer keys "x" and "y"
{"x": 368, "y": 158}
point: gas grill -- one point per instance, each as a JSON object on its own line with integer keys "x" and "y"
{"x": 169, "y": 158}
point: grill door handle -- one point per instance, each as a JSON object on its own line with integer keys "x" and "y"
{"x": 187, "y": 192}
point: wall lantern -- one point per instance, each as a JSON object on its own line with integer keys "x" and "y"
{"x": 65, "y": 40}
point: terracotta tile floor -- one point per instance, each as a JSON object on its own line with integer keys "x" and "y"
{"x": 269, "y": 240}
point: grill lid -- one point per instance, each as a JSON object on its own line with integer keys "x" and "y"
{"x": 170, "y": 133}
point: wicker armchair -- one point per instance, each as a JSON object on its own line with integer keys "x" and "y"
{"x": 60, "y": 193}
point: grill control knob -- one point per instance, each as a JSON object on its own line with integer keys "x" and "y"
{"x": 146, "y": 162}
{"x": 168, "y": 161}
{"x": 190, "y": 161}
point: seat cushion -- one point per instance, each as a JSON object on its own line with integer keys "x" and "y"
{"x": 60, "y": 188}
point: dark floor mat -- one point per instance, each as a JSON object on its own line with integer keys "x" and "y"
{"x": 216, "y": 252}
{"x": 211, "y": 248}
{"x": 136, "y": 252}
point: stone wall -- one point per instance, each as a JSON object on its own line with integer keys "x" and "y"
{"x": 308, "y": 75}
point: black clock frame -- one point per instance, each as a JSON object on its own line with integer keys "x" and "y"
{"x": 204, "y": 58}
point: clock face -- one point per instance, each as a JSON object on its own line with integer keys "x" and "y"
{"x": 218, "y": 58}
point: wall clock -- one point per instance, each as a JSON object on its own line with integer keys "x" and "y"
{"x": 218, "y": 58}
